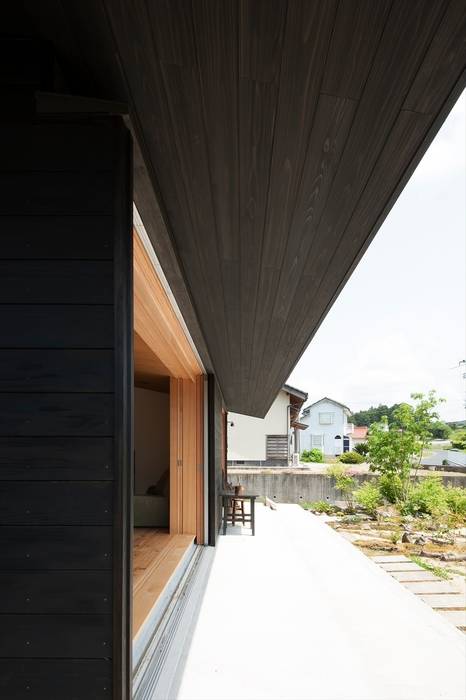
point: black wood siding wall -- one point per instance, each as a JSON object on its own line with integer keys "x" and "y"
{"x": 65, "y": 410}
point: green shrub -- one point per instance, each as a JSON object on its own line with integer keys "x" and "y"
{"x": 439, "y": 430}
{"x": 391, "y": 487}
{"x": 458, "y": 440}
{"x": 344, "y": 482}
{"x": 428, "y": 497}
{"x": 369, "y": 497}
{"x": 313, "y": 455}
{"x": 351, "y": 458}
{"x": 362, "y": 448}
{"x": 456, "y": 500}
{"x": 319, "y": 507}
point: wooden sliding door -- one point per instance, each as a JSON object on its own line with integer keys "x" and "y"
{"x": 186, "y": 457}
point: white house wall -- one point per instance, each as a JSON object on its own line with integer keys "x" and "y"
{"x": 338, "y": 427}
{"x": 247, "y": 435}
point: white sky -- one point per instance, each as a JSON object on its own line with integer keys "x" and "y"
{"x": 399, "y": 324}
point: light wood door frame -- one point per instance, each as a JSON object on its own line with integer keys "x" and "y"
{"x": 157, "y": 325}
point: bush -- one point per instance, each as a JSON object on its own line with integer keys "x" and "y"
{"x": 351, "y": 458}
{"x": 391, "y": 487}
{"x": 319, "y": 507}
{"x": 313, "y": 455}
{"x": 456, "y": 500}
{"x": 440, "y": 430}
{"x": 427, "y": 497}
{"x": 369, "y": 497}
{"x": 344, "y": 482}
{"x": 458, "y": 440}
{"x": 362, "y": 448}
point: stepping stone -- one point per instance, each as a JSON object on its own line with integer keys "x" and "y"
{"x": 456, "y": 600}
{"x": 389, "y": 559}
{"x": 401, "y": 566}
{"x": 430, "y": 587}
{"x": 420, "y": 575}
{"x": 456, "y": 617}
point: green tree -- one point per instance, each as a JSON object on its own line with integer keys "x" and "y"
{"x": 394, "y": 450}
{"x": 440, "y": 430}
{"x": 374, "y": 414}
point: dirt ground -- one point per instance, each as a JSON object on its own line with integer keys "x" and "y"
{"x": 437, "y": 545}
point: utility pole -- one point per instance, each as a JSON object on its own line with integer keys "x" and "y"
{"x": 462, "y": 365}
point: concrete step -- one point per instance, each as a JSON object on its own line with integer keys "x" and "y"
{"x": 431, "y": 587}
{"x": 389, "y": 558}
{"x": 456, "y": 617}
{"x": 420, "y": 575}
{"x": 401, "y": 566}
{"x": 455, "y": 601}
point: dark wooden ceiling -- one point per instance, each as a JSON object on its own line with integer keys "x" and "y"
{"x": 274, "y": 137}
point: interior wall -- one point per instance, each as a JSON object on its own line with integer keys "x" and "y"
{"x": 151, "y": 437}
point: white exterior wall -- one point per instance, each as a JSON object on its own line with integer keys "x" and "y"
{"x": 246, "y": 438}
{"x": 357, "y": 441}
{"x": 339, "y": 426}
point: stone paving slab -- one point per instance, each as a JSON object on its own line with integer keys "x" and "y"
{"x": 430, "y": 587}
{"x": 389, "y": 558}
{"x": 445, "y": 601}
{"x": 401, "y": 566}
{"x": 420, "y": 575}
{"x": 456, "y": 617}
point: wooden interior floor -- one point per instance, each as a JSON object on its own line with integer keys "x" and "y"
{"x": 156, "y": 555}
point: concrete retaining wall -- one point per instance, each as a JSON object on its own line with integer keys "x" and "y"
{"x": 296, "y": 487}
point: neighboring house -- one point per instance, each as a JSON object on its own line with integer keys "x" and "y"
{"x": 328, "y": 428}
{"x": 269, "y": 441}
{"x": 359, "y": 434}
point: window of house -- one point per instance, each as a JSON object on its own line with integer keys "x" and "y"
{"x": 326, "y": 418}
{"x": 317, "y": 441}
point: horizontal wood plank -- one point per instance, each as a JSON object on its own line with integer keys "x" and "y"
{"x": 56, "y": 503}
{"x": 63, "y": 636}
{"x": 38, "y": 237}
{"x": 58, "y": 326}
{"x": 56, "y": 370}
{"x": 65, "y": 281}
{"x": 50, "y": 147}
{"x": 28, "y": 547}
{"x": 63, "y": 458}
{"x": 64, "y": 592}
{"x": 48, "y": 193}
{"x": 56, "y": 414}
{"x": 50, "y": 679}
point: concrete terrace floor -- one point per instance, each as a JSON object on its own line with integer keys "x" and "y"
{"x": 297, "y": 612}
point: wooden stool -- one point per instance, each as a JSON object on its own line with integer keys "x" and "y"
{"x": 237, "y": 506}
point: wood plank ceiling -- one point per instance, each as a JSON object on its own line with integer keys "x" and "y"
{"x": 277, "y": 136}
